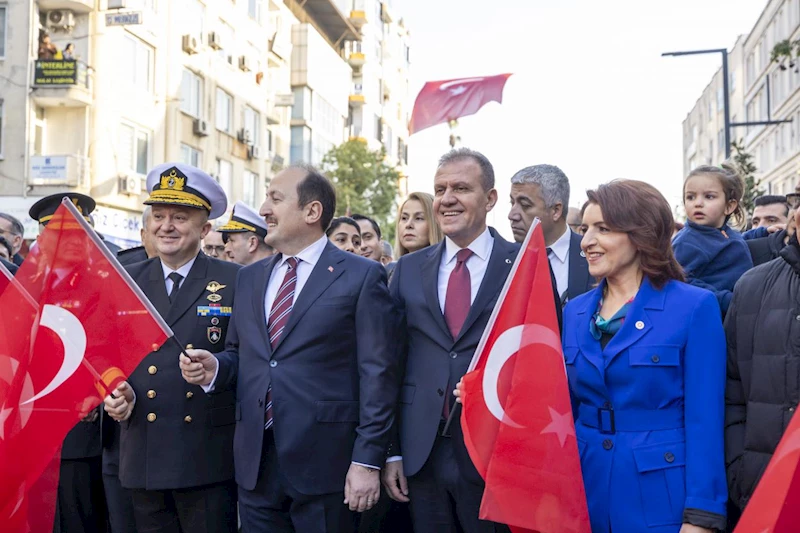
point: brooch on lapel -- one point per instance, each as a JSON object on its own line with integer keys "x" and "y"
{"x": 213, "y": 287}
{"x": 214, "y": 334}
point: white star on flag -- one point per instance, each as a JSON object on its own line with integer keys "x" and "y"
{"x": 458, "y": 90}
{"x": 561, "y": 425}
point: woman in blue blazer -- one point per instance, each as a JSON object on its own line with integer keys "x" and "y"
{"x": 645, "y": 357}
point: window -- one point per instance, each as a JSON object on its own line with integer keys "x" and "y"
{"x": 134, "y": 149}
{"x": 224, "y": 111}
{"x": 251, "y": 123}
{"x": 710, "y": 109}
{"x": 39, "y": 125}
{"x": 138, "y": 63}
{"x": 190, "y": 156}
{"x": 720, "y": 139}
{"x": 720, "y": 99}
{"x": 763, "y": 61}
{"x": 193, "y": 16}
{"x": 225, "y": 176}
{"x": 225, "y": 32}
{"x": 732, "y": 82}
{"x": 250, "y": 188}
{"x": 254, "y": 10}
{"x": 300, "y": 151}
{"x": 3, "y": 29}
{"x": 750, "y": 73}
{"x": 191, "y": 93}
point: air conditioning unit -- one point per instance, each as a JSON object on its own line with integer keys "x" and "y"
{"x": 215, "y": 40}
{"x": 244, "y": 136}
{"x": 191, "y": 44}
{"x": 60, "y": 20}
{"x": 245, "y": 64}
{"x": 254, "y": 152}
{"x": 200, "y": 127}
{"x": 129, "y": 185}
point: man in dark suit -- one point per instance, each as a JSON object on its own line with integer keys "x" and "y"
{"x": 13, "y": 230}
{"x": 175, "y": 443}
{"x": 146, "y": 250}
{"x": 11, "y": 267}
{"x": 543, "y": 191}
{"x": 312, "y": 351}
{"x": 446, "y": 294}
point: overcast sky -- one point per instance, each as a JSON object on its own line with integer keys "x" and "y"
{"x": 590, "y": 92}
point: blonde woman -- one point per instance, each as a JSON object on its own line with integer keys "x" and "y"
{"x": 416, "y": 226}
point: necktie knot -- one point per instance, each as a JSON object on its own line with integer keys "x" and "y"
{"x": 176, "y": 284}
{"x": 175, "y": 277}
{"x": 292, "y": 262}
{"x": 549, "y": 251}
{"x": 463, "y": 255}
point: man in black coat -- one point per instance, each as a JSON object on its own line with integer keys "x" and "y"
{"x": 176, "y": 441}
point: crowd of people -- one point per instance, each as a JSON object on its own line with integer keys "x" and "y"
{"x": 324, "y": 362}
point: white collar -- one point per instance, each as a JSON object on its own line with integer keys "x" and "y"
{"x": 481, "y": 247}
{"x": 310, "y": 254}
{"x": 183, "y": 271}
{"x": 561, "y": 246}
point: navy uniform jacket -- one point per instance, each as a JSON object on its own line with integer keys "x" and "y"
{"x": 434, "y": 361}
{"x": 178, "y": 436}
{"x": 131, "y": 256}
{"x": 10, "y": 266}
{"x": 649, "y": 408}
{"x": 334, "y": 372}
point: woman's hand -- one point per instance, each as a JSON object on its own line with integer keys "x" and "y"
{"x": 689, "y": 528}
{"x": 458, "y": 393}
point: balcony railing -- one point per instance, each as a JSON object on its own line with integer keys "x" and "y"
{"x": 58, "y": 82}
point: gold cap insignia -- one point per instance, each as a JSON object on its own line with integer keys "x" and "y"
{"x": 172, "y": 181}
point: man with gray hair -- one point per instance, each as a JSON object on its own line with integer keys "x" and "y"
{"x": 12, "y": 229}
{"x": 543, "y": 191}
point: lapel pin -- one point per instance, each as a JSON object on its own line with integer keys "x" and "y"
{"x": 508, "y": 261}
{"x": 330, "y": 269}
{"x": 639, "y": 325}
{"x": 583, "y": 254}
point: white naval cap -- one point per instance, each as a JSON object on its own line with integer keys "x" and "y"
{"x": 245, "y": 218}
{"x": 182, "y": 184}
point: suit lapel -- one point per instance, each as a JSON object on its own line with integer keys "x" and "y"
{"x": 500, "y": 263}
{"x": 190, "y": 290}
{"x": 321, "y": 278}
{"x": 260, "y": 298}
{"x": 430, "y": 285}
{"x": 155, "y": 288}
{"x": 589, "y": 346}
{"x": 578, "y": 268}
{"x": 637, "y": 322}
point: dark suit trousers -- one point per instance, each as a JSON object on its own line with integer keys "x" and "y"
{"x": 120, "y": 505}
{"x": 81, "y": 506}
{"x": 206, "y": 509}
{"x": 443, "y": 500}
{"x": 273, "y": 506}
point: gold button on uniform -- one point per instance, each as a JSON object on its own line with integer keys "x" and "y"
{"x": 189, "y": 395}
{"x": 187, "y": 419}
{"x": 152, "y": 370}
{"x": 151, "y": 394}
{"x": 151, "y": 417}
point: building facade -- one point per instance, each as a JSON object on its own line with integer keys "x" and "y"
{"x": 91, "y": 99}
{"x": 761, "y": 90}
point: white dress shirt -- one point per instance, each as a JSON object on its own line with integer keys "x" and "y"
{"x": 307, "y": 260}
{"x": 476, "y": 264}
{"x": 559, "y": 262}
{"x": 183, "y": 271}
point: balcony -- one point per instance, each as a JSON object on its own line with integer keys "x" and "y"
{"x": 357, "y": 96}
{"x": 358, "y": 19}
{"x": 356, "y": 59}
{"x": 58, "y": 83}
{"x": 78, "y": 6}
{"x": 328, "y": 18}
{"x": 59, "y": 170}
{"x": 386, "y": 16}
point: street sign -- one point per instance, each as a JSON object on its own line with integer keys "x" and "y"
{"x": 127, "y": 18}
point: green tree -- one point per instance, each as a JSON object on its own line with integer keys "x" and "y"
{"x": 364, "y": 183}
{"x": 743, "y": 162}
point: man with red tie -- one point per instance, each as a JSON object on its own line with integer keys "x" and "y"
{"x": 445, "y": 294}
{"x": 312, "y": 350}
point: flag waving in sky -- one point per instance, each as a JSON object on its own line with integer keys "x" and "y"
{"x": 73, "y": 326}
{"x": 517, "y": 418}
{"x": 442, "y": 101}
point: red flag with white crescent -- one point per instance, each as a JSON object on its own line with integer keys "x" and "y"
{"x": 73, "y": 325}
{"x": 517, "y": 418}
{"x": 442, "y": 101}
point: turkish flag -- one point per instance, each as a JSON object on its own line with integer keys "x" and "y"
{"x": 517, "y": 418}
{"x": 73, "y": 326}
{"x": 775, "y": 505}
{"x": 443, "y": 101}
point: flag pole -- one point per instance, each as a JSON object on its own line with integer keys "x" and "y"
{"x": 454, "y": 139}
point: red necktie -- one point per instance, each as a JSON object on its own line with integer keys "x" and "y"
{"x": 278, "y": 318}
{"x": 457, "y": 303}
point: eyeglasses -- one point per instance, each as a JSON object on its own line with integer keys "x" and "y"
{"x": 211, "y": 249}
{"x": 793, "y": 199}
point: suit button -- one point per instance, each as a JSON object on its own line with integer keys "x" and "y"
{"x": 607, "y": 405}
{"x": 189, "y": 395}
{"x": 187, "y": 419}
{"x": 273, "y": 363}
{"x": 607, "y": 444}
{"x": 260, "y": 402}
{"x": 152, "y": 370}
{"x": 792, "y": 408}
{"x": 440, "y": 392}
{"x": 453, "y": 355}
{"x": 151, "y": 417}
{"x": 151, "y": 394}
{"x": 655, "y": 359}
{"x": 669, "y": 457}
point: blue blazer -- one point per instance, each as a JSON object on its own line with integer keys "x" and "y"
{"x": 334, "y": 373}
{"x": 649, "y": 408}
